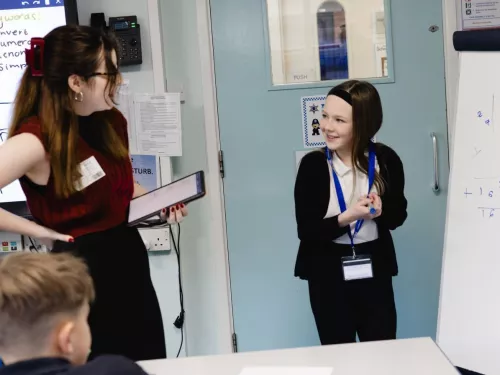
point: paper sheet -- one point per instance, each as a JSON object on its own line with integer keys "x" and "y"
{"x": 480, "y": 14}
{"x": 125, "y": 103}
{"x": 158, "y": 124}
{"x": 280, "y": 370}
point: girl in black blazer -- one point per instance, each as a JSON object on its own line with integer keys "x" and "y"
{"x": 348, "y": 197}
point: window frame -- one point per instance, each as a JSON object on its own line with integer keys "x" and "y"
{"x": 390, "y": 78}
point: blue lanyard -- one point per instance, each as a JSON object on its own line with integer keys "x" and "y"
{"x": 340, "y": 194}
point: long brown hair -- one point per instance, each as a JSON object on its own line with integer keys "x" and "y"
{"x": 67, "y": 50}
{"x": 367, "y": 117}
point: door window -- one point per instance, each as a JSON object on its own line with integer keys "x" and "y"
{"x": 314, "y": 41}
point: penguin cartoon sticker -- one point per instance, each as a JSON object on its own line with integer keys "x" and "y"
{"x": 315, "y": 127}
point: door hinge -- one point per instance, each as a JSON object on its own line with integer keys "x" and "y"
{"x": 221, "y": 163}
{"x": 235, "y": 343}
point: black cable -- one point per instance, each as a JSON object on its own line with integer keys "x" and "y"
{"x": 156, "y": 223}
{"x": 179, "y": 321}
{"x": 33, "y": 246}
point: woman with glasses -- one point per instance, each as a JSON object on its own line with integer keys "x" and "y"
{"x": 68, "y": 146}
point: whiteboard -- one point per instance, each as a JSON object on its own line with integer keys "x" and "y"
{"x": 20, "y": 20}
{"x": 12, "y": 192}
{"x": 18, "y": 24}
{"x": 469, "y": 312}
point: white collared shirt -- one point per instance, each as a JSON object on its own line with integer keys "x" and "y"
{"x": 369, "y": 230}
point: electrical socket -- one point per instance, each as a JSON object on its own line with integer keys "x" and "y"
{"x": 10, "y": 242}
{"x": 156, "y": 239}
{"x": 28, "y": 246}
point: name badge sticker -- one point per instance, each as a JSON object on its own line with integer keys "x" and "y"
{"x": 91, "y": 171}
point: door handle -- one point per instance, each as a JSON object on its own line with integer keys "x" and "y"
{"x": 435, "y": 185}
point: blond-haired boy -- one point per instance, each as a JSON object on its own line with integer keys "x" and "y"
{"x": 44, "y": 305}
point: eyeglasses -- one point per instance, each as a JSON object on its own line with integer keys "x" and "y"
{"x": 98, "y": 74}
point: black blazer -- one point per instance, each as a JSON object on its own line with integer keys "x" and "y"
{"x": 318, "y": 255}
{"x": 104, "y": 365}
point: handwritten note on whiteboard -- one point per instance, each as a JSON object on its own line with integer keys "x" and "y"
{"x": 468, "y": 328}
{"x": 19, "y": 22}
{"x": 481, "y": 188}
{"x": 13, "y": 191}
{"x": 158, "y": 124}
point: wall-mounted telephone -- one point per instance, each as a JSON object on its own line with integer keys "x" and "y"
{"x": 127, "y": 32}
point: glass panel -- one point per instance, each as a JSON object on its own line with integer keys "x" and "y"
{"x": 318, "y": 40}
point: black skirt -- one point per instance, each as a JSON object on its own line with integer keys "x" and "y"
{"x": 125, "y": 317}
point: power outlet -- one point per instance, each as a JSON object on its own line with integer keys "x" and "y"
{"x": 38, "y": 247}
{"x": 156, "y": 239}
{"x": 10, "y": 242}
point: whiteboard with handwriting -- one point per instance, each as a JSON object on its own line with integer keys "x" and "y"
{"x": 20, "y": 20}
{"x": 18, "y": 24}
{"x": 469, "y": 314}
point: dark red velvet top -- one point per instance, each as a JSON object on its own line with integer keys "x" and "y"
{"x": 100, "y": 206}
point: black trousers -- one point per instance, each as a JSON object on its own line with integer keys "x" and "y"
{"x": 343, "y": 309}
{"x": 125, "y": 317}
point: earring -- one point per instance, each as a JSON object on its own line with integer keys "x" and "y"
{"x": 79, "y": 96}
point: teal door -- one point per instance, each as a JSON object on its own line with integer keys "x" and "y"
{"x": 260, "y": 130}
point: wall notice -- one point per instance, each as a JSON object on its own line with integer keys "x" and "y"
{"x": 146, "y": 171}
{"x": 477, "y": 14}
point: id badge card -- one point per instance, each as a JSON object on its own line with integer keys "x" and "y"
{"x": 91, "y": 171}
{"x": 357, "y": 267}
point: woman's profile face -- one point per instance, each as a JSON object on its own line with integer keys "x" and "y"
{"x": 96, "y": 94}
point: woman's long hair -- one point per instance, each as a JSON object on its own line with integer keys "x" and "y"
{"x": 68, "y": 50}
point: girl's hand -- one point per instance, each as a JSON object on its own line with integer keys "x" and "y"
{"x": 359, "y": 210}
{"x": 377, "y": 204}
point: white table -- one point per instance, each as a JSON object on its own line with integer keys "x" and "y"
{"x": 399, "y": 357}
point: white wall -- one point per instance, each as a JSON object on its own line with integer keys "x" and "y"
{"x": 142, "y": 79}
{"x": 294, "y": 38}
{"x": 204, "y": 259}
{"x": 141, "y": 76}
